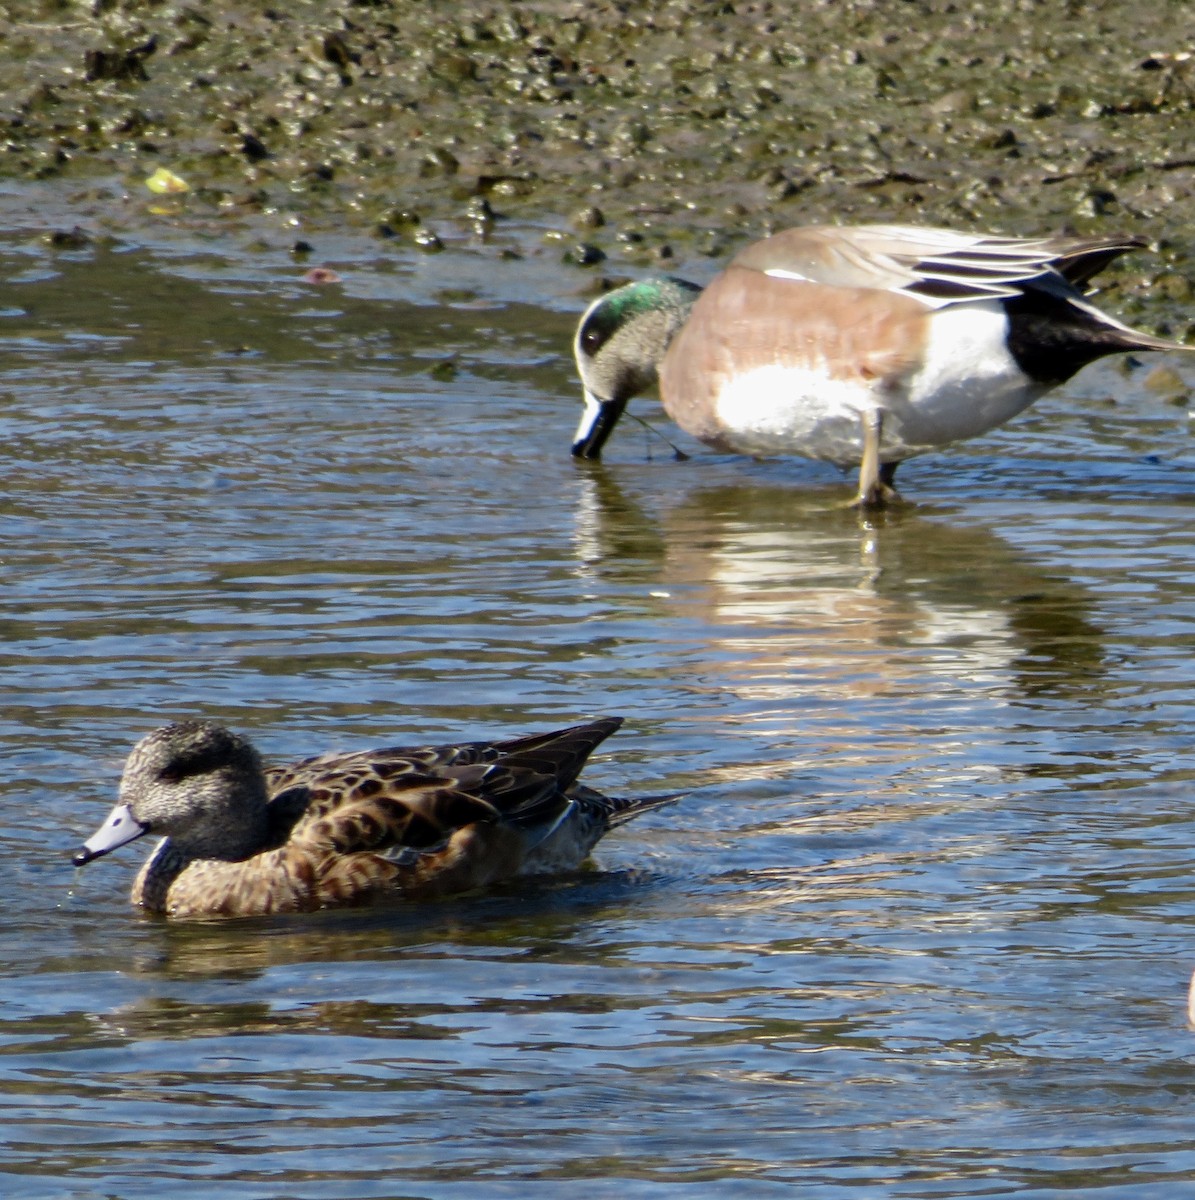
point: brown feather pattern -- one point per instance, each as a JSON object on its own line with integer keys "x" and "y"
{"x": 342, "y": 829}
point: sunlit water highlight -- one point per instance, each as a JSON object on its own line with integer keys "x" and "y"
{"x": 922, "y": 928}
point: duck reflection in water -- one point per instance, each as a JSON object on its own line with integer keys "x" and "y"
{"x": 812, "y": 612}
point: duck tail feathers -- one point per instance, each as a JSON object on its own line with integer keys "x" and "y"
{"x": 623, "y": 809}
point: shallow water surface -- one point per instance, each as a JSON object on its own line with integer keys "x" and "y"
{"x": 921, "y": 929}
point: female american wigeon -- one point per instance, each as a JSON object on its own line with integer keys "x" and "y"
{"x": 859, "y": 345}
{"x": 340, "y": 829}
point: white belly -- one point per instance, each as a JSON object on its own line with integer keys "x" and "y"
{"x": 968, "y": 383}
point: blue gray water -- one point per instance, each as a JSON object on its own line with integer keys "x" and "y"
{"x": 922, "y": 928}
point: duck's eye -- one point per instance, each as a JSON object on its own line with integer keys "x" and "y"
{"x": 593, "y": 338}
{"x": 196, "y": 760}
{"x": 590, "y": 340}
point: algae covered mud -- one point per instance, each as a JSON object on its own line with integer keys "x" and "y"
{"x": 648, "y": 131}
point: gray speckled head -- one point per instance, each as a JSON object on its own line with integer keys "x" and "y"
{"x": 620, "y": 342}
{"x": 199, "y": 785}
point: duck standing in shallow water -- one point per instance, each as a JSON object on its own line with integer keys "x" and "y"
{"x": 861, "y": 345}
{"x": 344, "y": 829}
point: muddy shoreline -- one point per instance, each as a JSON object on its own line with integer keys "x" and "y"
{"x": 644, "y": 134}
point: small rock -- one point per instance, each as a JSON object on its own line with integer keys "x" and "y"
{"x": 439, "y": 162}
{"x": 337, "y": 52}
{"x": 253, "y": 148}
{"x": 68, "y": 239}
{"x": 1096, "y": 202}
{"x": 590, "y": 217}
{"x": 584, "y": 255}
{"x": 1166, "y": 381}
{"x": 119, "y": 64}
{"x": 478, "y": 209}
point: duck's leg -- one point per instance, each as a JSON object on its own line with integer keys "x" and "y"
{"x": 875, "y": 477}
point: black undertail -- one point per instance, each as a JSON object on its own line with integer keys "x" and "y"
{"x": 1052, "y": 337}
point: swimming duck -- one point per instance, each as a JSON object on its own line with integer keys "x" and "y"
{"x": 340, "y": 829}
{"x": 857, "y": 345}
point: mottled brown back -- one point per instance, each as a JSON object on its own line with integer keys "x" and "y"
{"x": 347, "y": 828}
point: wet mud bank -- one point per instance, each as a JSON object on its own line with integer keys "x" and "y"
{"x": 639, "y": 134}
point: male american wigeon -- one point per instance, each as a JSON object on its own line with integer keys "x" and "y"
{"x": 861, "y": 345}
{"x": 339, "y": 829}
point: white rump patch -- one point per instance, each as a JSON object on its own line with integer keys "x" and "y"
{"x": 970, "y": 382}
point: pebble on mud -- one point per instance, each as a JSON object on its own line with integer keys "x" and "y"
{"x": 584, "y": 255}
{"x": 1169, "y": 384}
